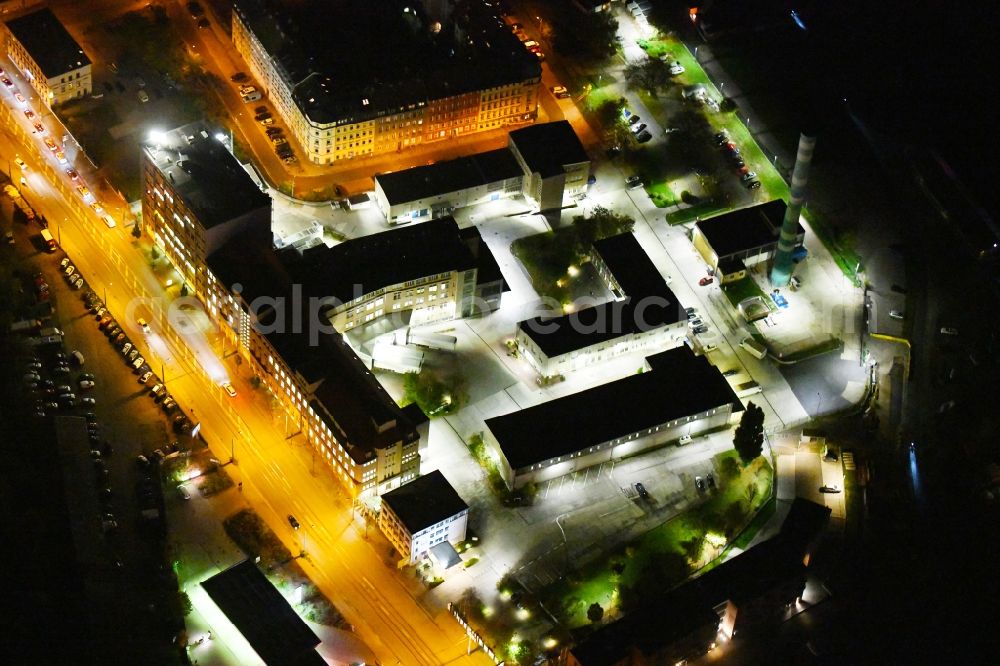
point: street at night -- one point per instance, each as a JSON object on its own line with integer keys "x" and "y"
{"x": 577, "y": 333}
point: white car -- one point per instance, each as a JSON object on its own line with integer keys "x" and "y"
{"x": 86, "y": 384}
{"x": 19, "y": 162}
{"x": 949, "y": 330}
{"x": 229, "y": 389}
{"x": 675, "y": 68}
{"x": 143, "y": 325}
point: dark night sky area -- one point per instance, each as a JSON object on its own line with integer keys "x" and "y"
{"x": 920, "y": 72}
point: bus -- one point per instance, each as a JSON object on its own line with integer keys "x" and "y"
{"x": 50, "y": 242}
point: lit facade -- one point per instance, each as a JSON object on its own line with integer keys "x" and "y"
{"x": 421, "y": 514}
{"x": 369, "y": 126}
{"x": 196, "y": 197}
{"x": 678, "y": 394}
{"x": 644, "y": 315}
{"x": 48, "y": 57}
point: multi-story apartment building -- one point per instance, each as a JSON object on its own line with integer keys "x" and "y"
{"x": 424, "y": 516}
{"x": 197, "y": 197}
{"x": 48, "y": 57}
{"x": 356, "y": 78}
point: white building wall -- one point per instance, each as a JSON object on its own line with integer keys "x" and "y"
{"x": 660, "y": 339}
{"x": 451, "y": 530}
{"x": 622, "y": 447}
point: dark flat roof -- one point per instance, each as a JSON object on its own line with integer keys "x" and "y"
{"x": 680, "y": 384}
{"x": 649, "y": 304}
{"x": 48, "y": 42}
{"x": 349, "y": 399}
{"x": 374, "y": 58}
{"x": 649, "y": 630}
{"x": 425, "y": 501}
{"x": 743, "y": 578}
{"x": 201, "y": 170}
{"x": 274, "y": 630}
{"x": 634, "y": 271}
{"x": 566, "y": 333}
{"x": 423, "y": 182}
{"x": 548, "y": 147}
{"x": 363, "y": 265}
{"x": 744, "y": 229}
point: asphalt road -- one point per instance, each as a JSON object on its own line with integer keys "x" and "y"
{"x": 278, "y": 480}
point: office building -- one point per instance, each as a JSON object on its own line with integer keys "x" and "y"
{"x": 735, "y": 241}
{"x": 678, "y": 394}
{"x": 196, "y": 199}
{"x": 555, "y": 165}
{"x": 48, "y": 57}
{"x": 356, "y": 78}
{"x": 545, "y": 164}
{"x": 644, "y": 315}
{"x": 424, "y": 517}
{"x": 432, "y": 191}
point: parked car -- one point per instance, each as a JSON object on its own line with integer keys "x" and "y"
{"x": 706, "y": 281}
{"x": 633, "y": 182}
{"x": 641, "y": 489}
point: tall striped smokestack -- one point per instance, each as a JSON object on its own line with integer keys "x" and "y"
{"x": 781, "y": 271}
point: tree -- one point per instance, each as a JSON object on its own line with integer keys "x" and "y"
{"x": 749, "y": 437}
{"x": 602, "y": 223}
{"x": 650, "y": 74}
{"x": 136, "y": 230}
{"x": 585, "y": 37}
{"x": 595, "y": 613}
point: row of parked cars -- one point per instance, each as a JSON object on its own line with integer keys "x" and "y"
{"x": 263, "y": 115}
{"x": 732, "y": 152}
{"x": 50, "y": 396}
{"x": 133, "y": 357}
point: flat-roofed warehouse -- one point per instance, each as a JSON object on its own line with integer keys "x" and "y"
{"x": 431, "y": 191}
{"x": 678, "y": 394}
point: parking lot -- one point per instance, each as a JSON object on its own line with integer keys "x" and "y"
{"x": 107, "y": 488}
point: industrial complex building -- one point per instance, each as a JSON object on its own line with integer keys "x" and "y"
{"x": 48, "y": 57}
{"x": 645, "y": 315}
{"x": 424, "y": 517}
{"x": 452, "y": 69}
{"x": 732, "y": 242}
{"x": 546, "y": 164}
{"x": 678, "y": 394}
